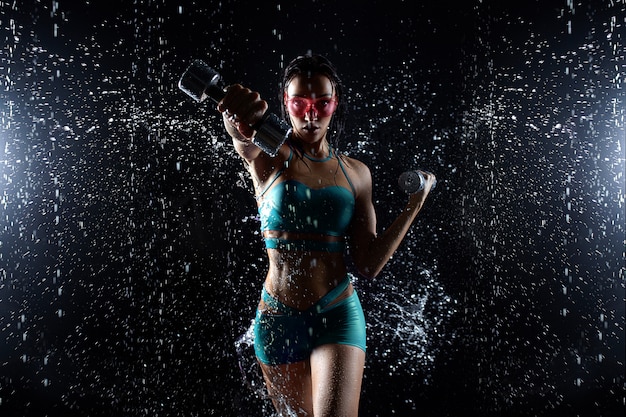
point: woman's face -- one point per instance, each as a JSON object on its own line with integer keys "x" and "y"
{"x": 310, "y": 102}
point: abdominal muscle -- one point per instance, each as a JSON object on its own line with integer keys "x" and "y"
{"x": 300, "y": 279}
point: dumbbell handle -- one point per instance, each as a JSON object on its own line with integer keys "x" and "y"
{"x": 413, "y": 182}
{"x": 200, "y": 81}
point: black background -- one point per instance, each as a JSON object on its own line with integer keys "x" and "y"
{"x": 130, "y": 258}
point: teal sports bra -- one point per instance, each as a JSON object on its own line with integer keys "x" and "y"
{"x": 291, "y": 206}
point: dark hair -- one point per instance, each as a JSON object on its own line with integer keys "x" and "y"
{"x": 311, "y": 64}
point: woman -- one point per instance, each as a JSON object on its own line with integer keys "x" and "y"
{"x": 309, "y": 327}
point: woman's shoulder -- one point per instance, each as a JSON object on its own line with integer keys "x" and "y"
{"x": 355, "y": 165}
{"x": 265, "y": 167}
{"x": 359, "y": 175}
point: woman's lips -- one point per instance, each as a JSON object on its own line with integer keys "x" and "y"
{"x": 311, "y": 128}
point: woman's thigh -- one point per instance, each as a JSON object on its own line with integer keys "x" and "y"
{"x": 289, "y": 387}
{"x": 336, "y": 376}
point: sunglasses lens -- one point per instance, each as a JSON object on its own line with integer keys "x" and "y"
{"x": 325, "y": 107}
{"x": 300, "y": 106}
{"x": 297, "y": 106}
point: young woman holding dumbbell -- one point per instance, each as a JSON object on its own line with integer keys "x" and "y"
{"x": 312, "y": 202}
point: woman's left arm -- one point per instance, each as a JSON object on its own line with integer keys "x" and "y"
{"x": 371, "y": 251}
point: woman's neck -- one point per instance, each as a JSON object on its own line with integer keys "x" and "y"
{"x": 317, "y": 150}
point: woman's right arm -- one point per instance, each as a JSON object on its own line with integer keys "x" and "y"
{"x": 243, "y": 145}
{"x": 242, "y": 108}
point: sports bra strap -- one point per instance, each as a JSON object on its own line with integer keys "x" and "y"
{"x": 286, "y": 164}
{"x": 345, "y": 174}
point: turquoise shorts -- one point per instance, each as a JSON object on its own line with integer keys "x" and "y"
{"x": 286, "y": 335}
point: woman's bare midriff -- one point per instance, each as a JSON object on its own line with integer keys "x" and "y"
{"x": 300, "y": 279}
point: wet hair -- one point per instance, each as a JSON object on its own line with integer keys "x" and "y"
{"x": 309, "y": 65}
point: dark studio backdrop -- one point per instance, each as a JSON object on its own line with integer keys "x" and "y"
{"x": 130, "y": 258}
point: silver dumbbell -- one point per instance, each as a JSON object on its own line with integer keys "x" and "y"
{"x": 199, "y": 81}
{"x": 413, "y": 181}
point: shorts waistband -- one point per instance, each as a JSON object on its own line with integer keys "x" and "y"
{"x": 275, "y": 304}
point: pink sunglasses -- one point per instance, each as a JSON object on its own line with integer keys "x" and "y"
{"x": 300, "y": 106}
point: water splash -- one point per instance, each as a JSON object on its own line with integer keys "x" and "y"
{"x": 112, "y": 249}
{"x": 406, "y": 322}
